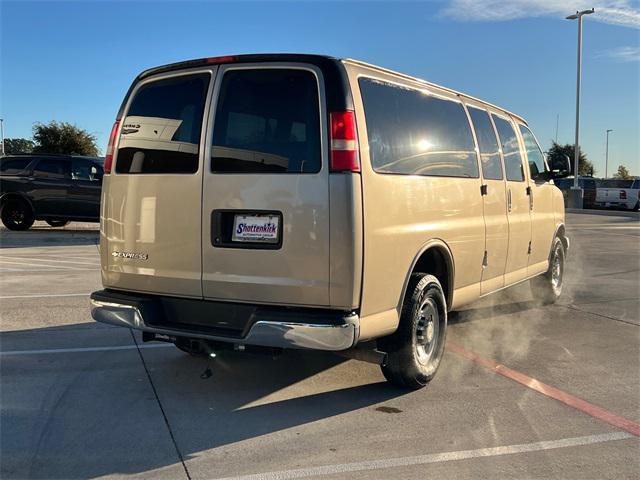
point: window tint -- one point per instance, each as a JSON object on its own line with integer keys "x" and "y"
{"x": 510, "y": 149}
{"x": 13, "y": 165}
{"x": 86, "y": 170}
{"x": 53, "y": 168}
{"x": 416, "y": 134}
{"x": 161, "y": 132}
{"x": 534, "y": 154}
{"x": 267, "y": 120}
{"x": 487, "y": 143}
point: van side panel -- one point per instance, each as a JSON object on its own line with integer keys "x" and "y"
{"x": 345, "y": 218}
{"x": 403, "y": 213}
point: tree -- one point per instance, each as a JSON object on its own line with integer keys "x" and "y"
{"x": 17, "y": 145}
{"x": 556, "y": 154}
{"x": 623, "y": 173}
{"x": 63, "y": 137}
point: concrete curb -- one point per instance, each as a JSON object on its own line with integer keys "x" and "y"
{"x": 615, "y": 213}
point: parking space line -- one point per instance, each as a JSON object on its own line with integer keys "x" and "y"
{"x": 59, "y": 267}
{"x": 10, "y": 353}
{"x": 32, "y": 259}
{"x": 549, "y": 391}
{"x": 342, "y": 468}
{"x": 46, "y": 295}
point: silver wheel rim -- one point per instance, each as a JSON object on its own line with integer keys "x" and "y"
{"x": 427, "y": 330}
{"x": 556, "y": 268}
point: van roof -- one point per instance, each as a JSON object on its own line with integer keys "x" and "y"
{"x": 325, "y": 62}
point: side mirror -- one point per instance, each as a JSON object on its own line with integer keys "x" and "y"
{"x": 559, "y": 168}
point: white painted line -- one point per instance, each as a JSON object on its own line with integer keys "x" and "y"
{"x": 58, "y": 267}
{"x": 31, "y": 259}
{"x": 53, "y": 270}
{"x": 82, "y": 349}
{"x": 433, "y": 458}
{"x": 47, "y": 295}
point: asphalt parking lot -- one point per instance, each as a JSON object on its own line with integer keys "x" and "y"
{"x": 523, "y": 391}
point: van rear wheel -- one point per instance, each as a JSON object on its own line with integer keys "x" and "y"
{"x": 414, "y": 351}
{"x": 57, "y": 223}
{"x": 547, "y": 288}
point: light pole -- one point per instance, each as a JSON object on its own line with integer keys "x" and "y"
{"x": 577, "y": 192}
{"x": 606, "y": 156}
{"x": 2, "y": 137}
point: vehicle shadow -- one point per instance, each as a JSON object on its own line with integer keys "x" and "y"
{"x": 59, "y": 408}
{"x": 48, "y": 237}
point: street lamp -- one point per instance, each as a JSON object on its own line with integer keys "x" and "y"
{"x": 577, "y": 192}
{"x": 606, "y": 156}
{"x": 1, "y": 137}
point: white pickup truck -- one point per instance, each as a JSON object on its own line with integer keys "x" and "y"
{"x": 626, "y": 195}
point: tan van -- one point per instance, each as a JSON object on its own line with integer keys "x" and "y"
{"x": 302, "y": 201}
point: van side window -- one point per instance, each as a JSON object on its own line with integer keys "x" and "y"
{"x": 534, "y": 154}
{"x": 267, "y": 120}
{"x": 487, "y": 143}
{"x": 510, "y": 149}
{"x": 53, "y": 168}
{"x": 413, "y": 133}
{"x": 11, "y": 166}
{"x": 161, "y": 132}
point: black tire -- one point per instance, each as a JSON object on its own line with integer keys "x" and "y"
{"x": 57, "y": 223}
{"x": 17, "y": 214}
{"x": 547, "y": 288}
{"x": 414, "y": 351}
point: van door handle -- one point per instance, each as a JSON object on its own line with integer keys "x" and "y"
{"x": 483, "y": 189}
{"x": 530, "y": 193}
{"x": 509, "y": 200}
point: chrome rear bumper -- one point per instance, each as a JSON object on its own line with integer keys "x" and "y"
{"x": 268, "y": 333}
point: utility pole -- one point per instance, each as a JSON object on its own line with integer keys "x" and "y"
{"x": 606, "y": 156}
{"x": 576, "y": 194}
{"x": 557, "y": 122}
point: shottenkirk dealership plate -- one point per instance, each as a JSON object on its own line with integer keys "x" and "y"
{"x": 256, "y": 228}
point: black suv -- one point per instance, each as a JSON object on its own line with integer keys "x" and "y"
{"x": 54, "y": 188}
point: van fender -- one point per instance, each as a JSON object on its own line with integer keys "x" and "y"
{"x": 561, "y": 234}
{"x": 444, "y": 249}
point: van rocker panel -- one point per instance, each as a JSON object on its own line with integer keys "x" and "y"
{"x": 280, "y": 327}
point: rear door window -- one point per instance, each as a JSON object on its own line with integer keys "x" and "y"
{"x": 510, "y": 149}
{"x": 267, "y": 121}
{"x": 11, "y": 166}
{"x": 487, "y": 143}
{"x": 414, "y": 133}
{"x": 53, "y": 168}
{"x": 161, "y": 132}
{"x": 86, "y": 170}
{"x": 534, "y": 154}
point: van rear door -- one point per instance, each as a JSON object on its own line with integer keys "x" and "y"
{"x": 265, "y": 216}
{"x": 152, "y": 200}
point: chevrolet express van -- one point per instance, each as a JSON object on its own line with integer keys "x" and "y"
{"x": 303, "y": 201}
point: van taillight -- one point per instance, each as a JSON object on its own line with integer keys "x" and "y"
{"x": 108, "y": 159}
{"x": 344, "y": 142}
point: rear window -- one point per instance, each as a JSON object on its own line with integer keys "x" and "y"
{"x": 510, "y": 149}
{"x": 161, "y": 132}
{"x": 267, "y": 120}
{"x": 413, "y": 133}
{"x": 11, "y": 166}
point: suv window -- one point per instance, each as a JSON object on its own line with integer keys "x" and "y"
{"x": 414, "y": 133}
{"x": 267, "y": 120}
{"x": 534, "y": 154}
{"x": 53, "y": 168}
{"x": 86, "y": 170}
{"x": 161, "y": 132}
{"x": 487, "y": 143}
{"x": 510, "y": 149}
{"x": 11, "y": 166}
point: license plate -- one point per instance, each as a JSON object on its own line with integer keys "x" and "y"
{"x": 256, "y": 228}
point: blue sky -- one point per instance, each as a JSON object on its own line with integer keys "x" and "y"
{"x": 73, "y": 61}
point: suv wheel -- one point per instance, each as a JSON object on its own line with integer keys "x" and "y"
{"x": 546, "y": 288}
{"x": 57, "y": 223}
{"x": 16, "y": 215}
{"x": 414, "y": 351}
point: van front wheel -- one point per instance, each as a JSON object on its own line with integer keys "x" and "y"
{"x": 546, "y": 288}
{"x": 414, "y": 351}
